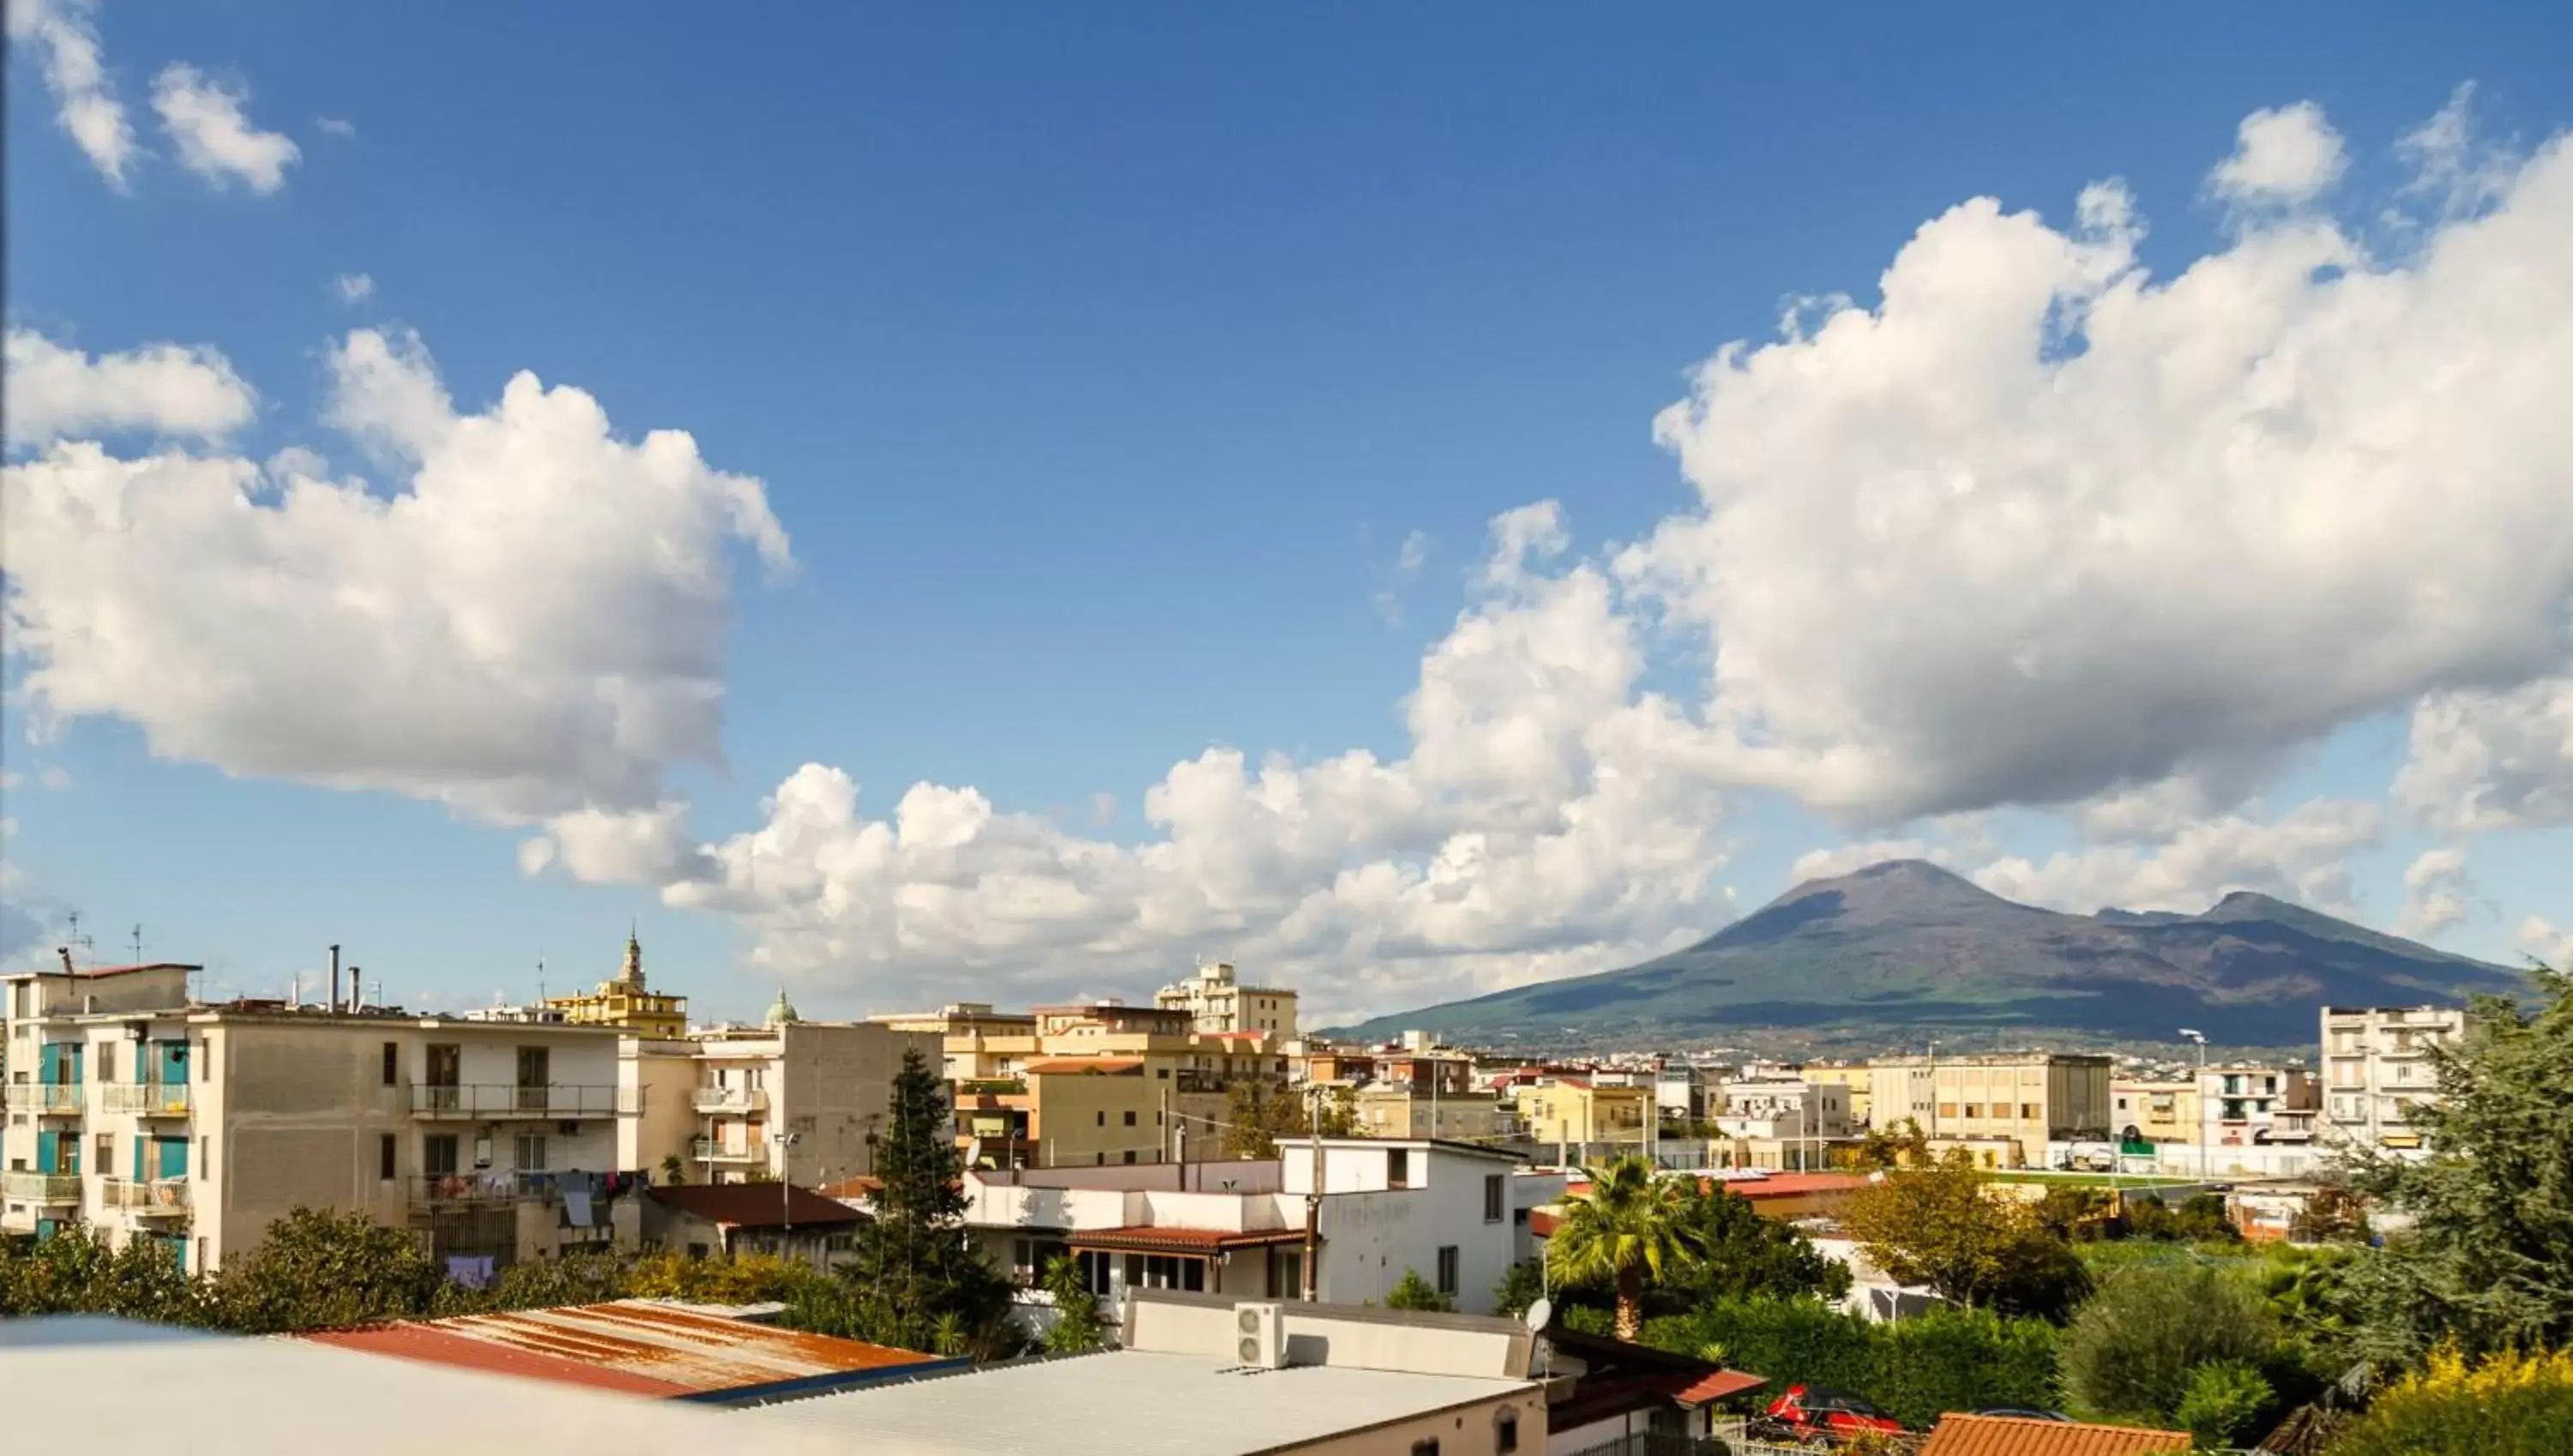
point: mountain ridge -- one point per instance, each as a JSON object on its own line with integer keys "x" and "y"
{"x": 1907, "y": 941}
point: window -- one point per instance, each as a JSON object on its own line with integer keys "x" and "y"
{"x": 437, "y": 1155}
{"x": 1947, "y": 1109}
{"x": 1505, "y": 1430}
{"x": 393, "y": 1063}
{"x": 107, "y": 1062}
{"x": 1973, "y": 1110}
{"x": 1130, "y": 1154}
{"x": 1493, "y": 1198}
{"x": 1448, "y": 1268}
{"x": 1130, "y": 1120}
{"x": 2028, "y": 1111}
{"x": 1426, "y": 1446}
{"x": 1102, "y": 1118}
{"x": 205, "y": 1156}
{"x": 1397, "y": 1167}
{"x": 531, "y": 1153}
{"x": 385, "y": 1157}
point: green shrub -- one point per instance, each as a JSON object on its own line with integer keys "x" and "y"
{"x": 2509, "y": 1405}
{"x": 1414, "y": 1292}
{"x": 2223, "y": 1404}
{"x": 2131, "y": 1350}
{"x": 1947, "y": 1360}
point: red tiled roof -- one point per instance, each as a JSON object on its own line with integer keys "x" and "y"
{"x": 1787, "y": 1185}
{"x": 1542, "y": 1223}
{"x": 1150, "y": 1239}
{"x": 1973, "y": 1435}
{"x": 755, "y": 1206}
{"x": 860, "y": 1186}
{"x": 1103, "y": 1066}
{"x": 1717, "y": 1386}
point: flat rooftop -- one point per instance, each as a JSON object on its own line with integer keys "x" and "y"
{"x": 1129, "y": 1403}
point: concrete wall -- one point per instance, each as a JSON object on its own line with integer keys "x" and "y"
{"x": 662, "y": 1077}
{"x": 1081, "y": 1117}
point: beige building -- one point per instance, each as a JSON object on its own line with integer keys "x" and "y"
{"x": 789, "y": 1100}
{"x": 2376, "y": 1070}
{"x": 1401, "y": 1112}
{"x": 1216, "y": 1002}
{"x": 1569, "y": 1113}
{"x": 134, "y": 1109}
{"x": 1857, "y": 1078}
{"x": 2028, "y": 1099}
{"x": 2154, "y": 1112}
{"x": 1096, "y": 1084}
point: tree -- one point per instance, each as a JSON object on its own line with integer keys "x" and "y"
{"x": 1259, "y": 1117}
{"x": 673, "y": 1171}
{"x": 2131, "y": 1349}
{"x": 1745, "y": 1252}
{"x": 2198, "y": 1220}
{"x": 2222, "y": 1403}
{"x": 1414, "y": 1292}
{"x": 1077, "y": 1325}
{"x": 1943, "y": 1227}
{"x": 2487, "y": 1263}
{"x": 1523, "y": 1284}
{"x": 1629, "y": 1227}
{"x": 316, "y": 1269}
{"x": 1896, "y": 1144}
{"x": 582, "y": 1278}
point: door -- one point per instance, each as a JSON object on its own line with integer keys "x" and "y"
{"x": 534, "y": 1066}
{"x": 170, "y": 1155}
{"x": 170, "y": 1067}
{"x": 445, "y": 1068}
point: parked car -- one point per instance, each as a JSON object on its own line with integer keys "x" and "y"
{"x": 1816, "y": 1415}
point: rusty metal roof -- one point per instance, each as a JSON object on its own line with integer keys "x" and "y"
{"x": 1971, "y": 1435}
{"x": 637, "y": 1346}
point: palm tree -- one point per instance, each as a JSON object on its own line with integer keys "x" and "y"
{"x": 1630, "y": 1227}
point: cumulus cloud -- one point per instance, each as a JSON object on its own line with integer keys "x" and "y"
{"x": 2298, "y": 855}
{"x": 2282, "y": 157}
{"x": 2491, "y": 760}
{"x": 353, "y": 288}
{"x": 331, "y": 126}
{"x": 1838, "y": 860}
{"x": 1544, "y": 821}
{"x": 2038, "y": 526}
{"x": 530, "y": 624}
{"x": 158, "y": 389}
{"x": 215, "y": 138}
{"x": 2544, "y": 942}
{"x": 2437, "y": 892}
{"x": 63, "y": 33}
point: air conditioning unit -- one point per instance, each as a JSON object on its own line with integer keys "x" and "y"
{"x": 1260, "y": 1335}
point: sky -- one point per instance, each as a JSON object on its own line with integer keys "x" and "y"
{"x": 909, "y": 504}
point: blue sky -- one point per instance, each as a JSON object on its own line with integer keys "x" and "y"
{"x": 1099, "y": 368}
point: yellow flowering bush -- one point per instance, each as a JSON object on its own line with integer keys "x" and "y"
{"x": 2506, "y": 1405}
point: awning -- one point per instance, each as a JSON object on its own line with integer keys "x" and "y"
{"x": 1146, "y": 1238}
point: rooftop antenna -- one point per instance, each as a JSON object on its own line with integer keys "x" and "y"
{"x": 540, "y": 980}
{"x": 138, "y": 942}
{"x": 88, "y": 946}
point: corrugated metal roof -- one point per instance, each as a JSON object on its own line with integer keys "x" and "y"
{"x": 640, "y": 1346}
{"x": 1971, "y": 1435}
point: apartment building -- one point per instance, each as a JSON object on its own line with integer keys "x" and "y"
{"x": 789, "y": 1100}
{"x": 2377, "y": 1071}
{"x": 1786, "y": 1109}
{"x": 1857, "y": 1078}
{"x": 1400, "y": 1110}
{"x": 1216, "y": 1001}
{"x": 141, "y": 1112}
{"x": 2155, "y": 1111}
{"x": 1456, "y": 1214}
{"x": 1576, "y": 1113}
{"x": 2248, "y": 1106}
{"x": 2008, "y": 1105}
{"x": 1100, "y": 1083}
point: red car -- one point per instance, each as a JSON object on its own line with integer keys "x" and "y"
{"x": 1819, "y": 1415}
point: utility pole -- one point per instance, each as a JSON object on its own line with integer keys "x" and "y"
{"x": 2200, "y": 1039}
{"x": 1313, "y": 1204}
{"x": 1934, "y": 1088}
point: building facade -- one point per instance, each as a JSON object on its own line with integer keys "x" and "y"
{"x": 625, "y": 1002}
{"x": 1788, "y": 1108}
{"x": 1216, "y": 1001}
{"x": 1570, "y": 1112}
{"x": 790, "y": 1100}
{"x": 1401, "y": 1112}
{"x": 2377, "y": 1071}
{"x": 2021, "y": 1100}
{"x": 2155, "y": 1111}
{"x": 1099, "y": 1084}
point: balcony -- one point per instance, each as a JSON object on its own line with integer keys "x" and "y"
{"x": 155, "y": 1198}
{"x": 496, "y": 1102}
{"x": 46, "y": 1099}
{"x": 709, "y": 1150}
{"x": 731, "y": 1099}
{"x": 149, "y": 1099}
{"x": 39, "y": 1187}
{"x": 986, "y": 1086}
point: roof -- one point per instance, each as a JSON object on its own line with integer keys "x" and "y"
{"x": 1129, "y": 1403}
{"x": 1062, "y": 1066}
{"x": 97, "y": 970}
{"x": 1789, "y": 1186}
{"x": 860, "y": 1186}
{"x": 753, "y": 1205}
{"x": 1973, "y": 1435}
{"x": 1147, "y": 1238}
{"x": 235, "y": 1396}
{"x": 634, "y": 1346}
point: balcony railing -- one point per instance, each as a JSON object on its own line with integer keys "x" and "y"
{"x": 149, "y": 1099}
{"x": 709, "y": 1149}
{"x": 47, "y": 1098}
{"x": 485, "y": 1185}
{"x": 501, "y": 1100}
{"x": 731, "y": 1099}
{"x": 40, "y": 1188}
{"x": 154, "y": 1197}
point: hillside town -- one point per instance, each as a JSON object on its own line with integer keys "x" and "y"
{"x": 1111, "y": 1167}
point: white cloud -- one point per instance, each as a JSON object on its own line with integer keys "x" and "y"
{"x": 85, "y": 100}
{"x": 1408, "y": 558}
{"x": 2437, "y": 892}
{"x": 531, "y": 625}
{"x": 2298, "y": 856}
{"x": 2282, "y": 157}
{"x": 2038, "y": 527}
{"x": 215, "y": 139}
{"x": 2544, "y": 942}
{"x": 2491, "y": 760}
{"x": 161, "y": 390}
{"x": 331, "y": 126}
{"x": 1826, "y": 864}
{"x": 353, "y": 288}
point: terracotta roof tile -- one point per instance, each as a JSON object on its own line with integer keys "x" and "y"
{"x": 1973, "y": 1435}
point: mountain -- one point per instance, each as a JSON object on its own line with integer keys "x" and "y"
{"x": 1905, "y": 943}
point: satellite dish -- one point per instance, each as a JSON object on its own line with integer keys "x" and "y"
{"x": 1540, "y": 1314}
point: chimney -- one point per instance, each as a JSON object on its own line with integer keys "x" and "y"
{"x": 335, "y": 979}
{"x": 357, "y": 990}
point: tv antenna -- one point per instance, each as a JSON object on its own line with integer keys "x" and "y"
{"x": 88, "y": 945}
{"x": 138, "y": 942}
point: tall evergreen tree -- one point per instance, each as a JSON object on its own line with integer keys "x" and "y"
{"x": 915, "y": 1282}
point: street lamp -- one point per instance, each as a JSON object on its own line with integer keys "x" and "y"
{"x": 786, "y": 1184}
{"x": 2200, "y": 1039}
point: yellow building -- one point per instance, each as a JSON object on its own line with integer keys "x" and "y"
{"x": 2029, "y": 1099}
{"x": 2155, "y": 1111}
{"x": 626, "y": 1004}
{"x": 1102, "y": 1083}
{"x": 1858, "y": 1077}
{"x": 1569, "y": 1113}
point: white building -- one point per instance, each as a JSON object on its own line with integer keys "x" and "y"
{"x": 2376, "y": 1070}
{"x": 141, "y": 1114}
{"x": 1454, "y": 1214}
{"x": 1785, "y": 1109}
{"x": 1218, "y": 1002}
{"x": 797, "y": 1100}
